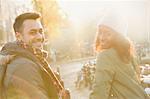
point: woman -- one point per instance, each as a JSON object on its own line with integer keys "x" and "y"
{"x": 116, "y": 76}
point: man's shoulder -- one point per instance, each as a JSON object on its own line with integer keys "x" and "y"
{"x": 22, "y": 61}
{"x": 23, "y": 67}
{"x": 5, "y": 59}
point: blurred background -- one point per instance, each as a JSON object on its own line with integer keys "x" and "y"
{"x": 70, "y": 25}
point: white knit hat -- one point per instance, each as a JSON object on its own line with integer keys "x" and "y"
{"x": 113, "y": 19}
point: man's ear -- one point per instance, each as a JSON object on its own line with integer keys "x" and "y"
{"x": 18, "y": 36}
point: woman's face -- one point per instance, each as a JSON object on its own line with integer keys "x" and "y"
{"x": 106, "y": 36}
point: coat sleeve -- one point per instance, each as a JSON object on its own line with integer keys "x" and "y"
{"x": 24, "y": 80}
{"x": 104, "y": 76}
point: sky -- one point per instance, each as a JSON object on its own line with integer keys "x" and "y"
{"x": 81, "y": 12}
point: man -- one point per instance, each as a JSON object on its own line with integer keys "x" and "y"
{"x": 28, "y": 75}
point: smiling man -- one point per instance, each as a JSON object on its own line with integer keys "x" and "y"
{"x": 28, "y": 75}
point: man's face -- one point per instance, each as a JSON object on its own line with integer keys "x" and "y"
{"x": 32, "y": 33}
{"x": 105, "y": 37}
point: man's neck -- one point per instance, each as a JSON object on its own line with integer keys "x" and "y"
{"x": 34, "y": 50}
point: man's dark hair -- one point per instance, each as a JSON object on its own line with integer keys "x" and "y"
{"x": 21, "y": 18}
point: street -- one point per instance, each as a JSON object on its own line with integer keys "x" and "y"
{"x": 69, "y": 72}
{"x": 69, "y": 75}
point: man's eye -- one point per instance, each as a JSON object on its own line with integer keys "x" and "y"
{"x": 32, "y": 32}
{"x": 41, "y": 31}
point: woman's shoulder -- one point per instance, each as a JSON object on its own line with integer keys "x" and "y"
{"x": 107, "y": 53}
{"x": 106, "y": 59}
{"x": 108, "y": 56}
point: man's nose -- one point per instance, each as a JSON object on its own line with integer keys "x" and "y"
{"x": 39, "y": 35}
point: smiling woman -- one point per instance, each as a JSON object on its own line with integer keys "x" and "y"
{"x": 116, "y": 76}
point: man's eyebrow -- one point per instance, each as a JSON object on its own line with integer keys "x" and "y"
{"x": 41, "y": 29}
{"x": 33, "y": 30}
